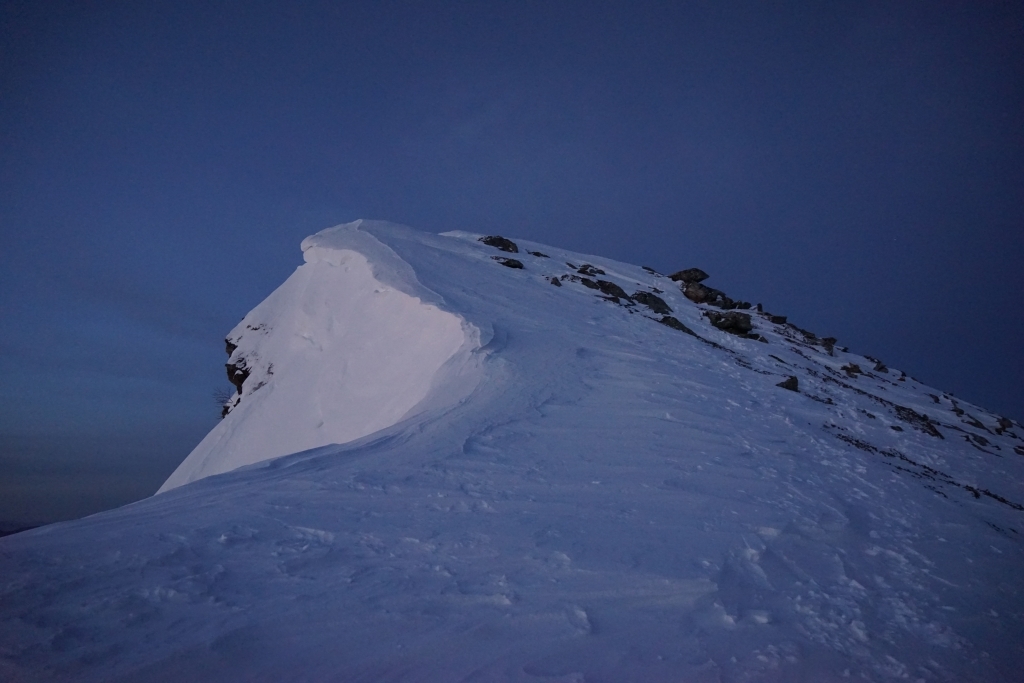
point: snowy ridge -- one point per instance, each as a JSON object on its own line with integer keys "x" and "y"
{"x": 589, "y": 489}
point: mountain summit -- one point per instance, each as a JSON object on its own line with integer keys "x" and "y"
{"x": 462, "y": 457}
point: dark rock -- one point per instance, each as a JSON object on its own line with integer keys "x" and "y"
{"x": 612, "y": 290}
{"x": 918, "y": 420}
{"x": 760, "y": 308}
{"x": 700, "y": 294}
{"x": 509, "y": 262}
{"x": 676, "y": 325}
{"x": 537, "y": 254}
{"x": 556, "y": 282}
{"x": 732, "y": 322}
{"x": 229, "y": 347}
{"x": 1018, "y": 450}
{"x": 653, "y": 302}
{"x": 777, "y": 319}
{"x": 829, "y": 343}
{"x": 650, "y": 270}
{"x": 755, "y": 336}
{"x": 587, "y": 269}
{"x": 689, "y": 275}
{"x": 977, "y": 438}
{"x": 499, "y": 242}
{"x": 790, "y": 383}
{"x": 973, "y": 421}
{"x": 880, "y": 367}
{"x": 1005, "y": 423}
{"x": 744, "y": 305}
{"x": 586, "y": 282}
{"x": 896, "y": 428}
{"x": 852, "y": 370}
{"x": 237, "y": 373}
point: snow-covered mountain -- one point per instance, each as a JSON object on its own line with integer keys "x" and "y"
{"x": 463, "y": 459}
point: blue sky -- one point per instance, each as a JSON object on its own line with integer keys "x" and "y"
{"x": 855, "y": 166}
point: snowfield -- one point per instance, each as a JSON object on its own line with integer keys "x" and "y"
{"x": 493, "y": 473}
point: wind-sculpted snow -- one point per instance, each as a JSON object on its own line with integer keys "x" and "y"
{"x": 583, "y": 494}
{"x": 344, "y": 348}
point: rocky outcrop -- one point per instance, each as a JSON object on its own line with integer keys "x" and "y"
{"x": 676, "y": 325}
{"x": 587, "y": 269}
{"x": 791, "y": 383}
{"x": 612, "y": 290}
{"x": 918, "y": 420}
{"x": 731, "y": 322}
{"x": 499, "y": 242}
{"x": 653, "y": 302}
{"x": 689, "y": 275}
{"x": 852, "y": 370}
{"x": 509, "y": 262}
{"x": 702, "y": 294}
{"x": 238, "y": 372}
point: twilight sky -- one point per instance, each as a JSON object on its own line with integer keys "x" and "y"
{"x": 858, "y": 167}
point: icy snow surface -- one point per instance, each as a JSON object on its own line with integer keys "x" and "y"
{"x": 539, "y": 483}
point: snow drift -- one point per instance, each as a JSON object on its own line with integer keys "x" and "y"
{"x": 342, "y": 349}
{"x": 547, "y": 466}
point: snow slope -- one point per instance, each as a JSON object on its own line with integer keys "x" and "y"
{"x": 577, "y": 493}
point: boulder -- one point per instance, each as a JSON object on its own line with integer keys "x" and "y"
{"x": 653, "y": 302}
{"x": 612, "y": 290}
{"x": 731, "y": 322}
{"x": 537, "y": 254}
{"x": 689, "y": 275}
{"x": 499, "y": 242}
{"x": 701, "y": 294}
{"x": 556, "y": 282}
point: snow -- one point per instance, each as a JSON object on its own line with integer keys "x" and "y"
{"x": 545, "y": 485}
{"x": 342, "y": 349}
